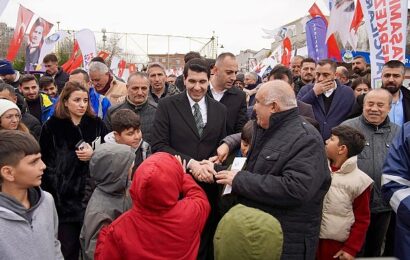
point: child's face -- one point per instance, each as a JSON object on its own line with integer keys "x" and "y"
{"x": 332, "y": 147}
{"x": 244, "y": 148}
{"x": 131, "y": 137}
{"x": 27, "y": 173}
{"x": 51, "y": 90}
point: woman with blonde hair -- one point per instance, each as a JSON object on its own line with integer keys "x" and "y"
{"x": 10, "y": 116}
{"x": 67, "y": 141}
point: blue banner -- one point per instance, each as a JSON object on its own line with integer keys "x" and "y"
{"x": 316, "y": 38}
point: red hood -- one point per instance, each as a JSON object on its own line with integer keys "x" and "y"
{"x": 157, "y": 183}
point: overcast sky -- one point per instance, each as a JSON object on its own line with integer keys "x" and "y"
{"x": 237, "y": 23}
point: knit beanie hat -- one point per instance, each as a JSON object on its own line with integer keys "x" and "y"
{"x": 6, "y": 105}
{"x": 6, "y": 68}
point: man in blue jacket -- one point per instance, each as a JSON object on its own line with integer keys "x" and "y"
{"x": 330, "y": 100}
{"x": 396, "y": 189}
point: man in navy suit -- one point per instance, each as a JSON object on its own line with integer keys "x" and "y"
{"x": 192, "y": 124}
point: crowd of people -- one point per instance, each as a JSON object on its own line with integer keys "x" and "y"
{"x": 95, "y": 168}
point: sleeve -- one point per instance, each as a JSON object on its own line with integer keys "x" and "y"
{"x": 57, "y": 245}
{"x": 196, "y": 200}
{"x": 299, "y": 181}
{"x": 48, "y": 155}
{"x": 106, "y": 105}
{"x": 233, "y": 141}
{"x": 160, "y": 135}
{"x": 242, "y": 117}
{"x": 107, "y": 247}
{"x": 36, "y": 129}
{"x": 107, "y": 120}
{"x": 361, "y": 211}
{"x": 91, "y": 231}
{"x": 396, "y": 177}
{"x": 307, "y": 95}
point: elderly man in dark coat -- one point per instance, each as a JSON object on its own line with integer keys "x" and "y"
{"x": 287, "y": 173}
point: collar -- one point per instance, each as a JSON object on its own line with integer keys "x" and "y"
{"x": 348, "y": 166}
{"x": 385, "y": 123}
{"x": 211, "y": 87}
{"x": 135, "y": 106}
{"x": 201, "y": 102}
{"x": 330, "y": 91}
{"x": 163, "y": 93}
{"x": 400, "y": 100}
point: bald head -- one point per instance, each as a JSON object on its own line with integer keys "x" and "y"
{"x": 279, "y": 91}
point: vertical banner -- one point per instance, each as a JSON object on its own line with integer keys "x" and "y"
{"x": 287, "y": 52}
{"x": 50, "y": 43}
{"x": 121, "y": 68}
{"x": 316, "y": 38}
{"x": 38, "y": 32}
{"x": 23, "y": 20}
{"x": 75, "y": 59}
{"x": 86, "y": 41}
{"x": 340, "y": 21}
{"x": 386, "y": 23}
{"x": 132, "y": 68}
{"x": 3, "y": 5}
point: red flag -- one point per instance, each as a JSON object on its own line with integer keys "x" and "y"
{"x": 121, "y": 68}
{"x": 287, "y": 52}
{"x": 333, "y": 50}
{"x": 23, "y": 20}
{"x": 103, "y": 54}
{"x": 75, "y": 59}
{"x": 132, "y": 68}
{"x": 357, "y": 18}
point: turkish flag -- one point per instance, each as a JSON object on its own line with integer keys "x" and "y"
{"x": 23, "y": 20}
{"x": 121, "y": 67}
{"x": 357, "y": 17}
{"x": 103, "y": 54}
{"x": 132, "y": 68}
{"x": 75, "y": 60}
{"x": 287, "y": 52}
{"x": 333, "y": 50}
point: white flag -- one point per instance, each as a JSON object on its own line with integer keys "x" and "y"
{"x": 50, "y": 42}
{"x": 340, "y": 20}
{"x": 86, "y": 41}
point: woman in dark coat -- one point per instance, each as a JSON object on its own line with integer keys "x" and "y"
{"x": 67, "y": 141}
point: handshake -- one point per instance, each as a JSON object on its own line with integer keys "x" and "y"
{"x": 202, "y": 171}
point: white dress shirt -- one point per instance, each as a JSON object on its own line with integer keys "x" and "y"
{"x": 217, "y": 95}
{"x": 202, "y": 108}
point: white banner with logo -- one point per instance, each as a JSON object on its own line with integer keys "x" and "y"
{"x": 50, "y": 42}
{"x": 386, "y": 23}
{"x": 86, "y": 41}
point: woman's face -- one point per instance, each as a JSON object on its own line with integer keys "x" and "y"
{"x": 361, "y": 89}
{"x": 77, "y": 103}
{"x": 37, "y": 35}
{"x": 10, "y": 119}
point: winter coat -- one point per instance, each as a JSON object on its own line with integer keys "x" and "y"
{"x": 370, "y": 160}
{"x": 109, "y": 168}
{"x": 396, "y": 189}
{"x": 167, "y": 217}
{"x": 99, "y": 103}
{"x": 340, "y": 108}
{"x": 146, "y": 112}
{"x": 66, "y": 177}
{"x": 29, "y": 233}
{"x": 248, "y": 233}
{"x": 61, "y": 77}
{"x": 287, "y": 175}
{"x": 117, "y": 92}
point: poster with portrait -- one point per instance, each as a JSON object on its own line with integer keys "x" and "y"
{"x": 37, "y": 33}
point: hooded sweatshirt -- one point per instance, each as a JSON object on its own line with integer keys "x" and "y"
{"x": 248, "y": 233}
{"x": 29, "y": 233}
{"x": 109, "y": 168}
{"x": 167, "y": 217}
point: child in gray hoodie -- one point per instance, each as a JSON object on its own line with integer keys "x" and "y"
{"x": 28, "y": 217}
{"x": 110, "y": 168}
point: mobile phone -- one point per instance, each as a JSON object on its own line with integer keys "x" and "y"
{"x": 80, "y": 145}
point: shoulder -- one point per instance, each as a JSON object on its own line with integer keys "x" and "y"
{"x": 115, "y": 107}
{"x": 214, "y": 103}
{"x": 306, "y": 88}
{"x": 352, "y": 122}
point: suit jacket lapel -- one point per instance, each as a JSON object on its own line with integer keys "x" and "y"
{"x": 184, "y": 108}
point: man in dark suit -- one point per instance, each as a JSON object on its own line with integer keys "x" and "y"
{"x": 191, "y": 125}
{"x": 221, "y": 89}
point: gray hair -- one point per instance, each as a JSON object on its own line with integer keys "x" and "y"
{"x": 98, "y": 67}
{"x": 138, "y": 74}
{"x": 381, "y": 90}
{"x": 343, "y": 70}
{"x": 280, "y": 92}
{"x": 252, "y": 74}
{"x": 155, "y": 64}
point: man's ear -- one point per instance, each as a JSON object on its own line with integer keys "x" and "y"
{"x": 7, "y": 173}
{"x": 116, "y": 135}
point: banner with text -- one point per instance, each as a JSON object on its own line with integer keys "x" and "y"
{"x": 316, "y": 38}
{"x": 386, "y": 23}
{"x": 86, "y": 41}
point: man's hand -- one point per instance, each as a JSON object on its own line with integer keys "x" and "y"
{"x": 225, "y": 177}
{"x": 342, "y": 255}
{"x": 202, "y": 171}
{"x": 222, "y": 153}
{"x": 85, "y": 153}
{"x": 321, "y": 87}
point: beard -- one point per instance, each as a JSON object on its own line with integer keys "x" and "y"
{"x": 391, "y": 88}
{"x": 357, "y": 70}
